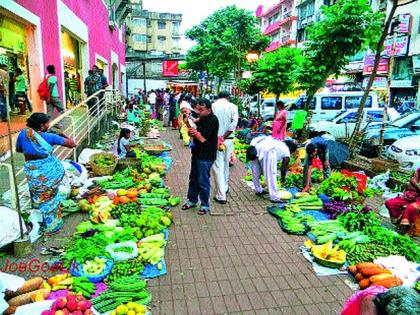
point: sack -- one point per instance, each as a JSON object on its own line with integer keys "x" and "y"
{"x": 43, "y": 90}
{"x": 251, "y": 153}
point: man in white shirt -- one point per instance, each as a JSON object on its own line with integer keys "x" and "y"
{"x": 227, "y": 114}
{"x": 264, "y": 159}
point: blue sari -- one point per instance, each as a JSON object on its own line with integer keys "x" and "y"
{"x": 44, "y": 177}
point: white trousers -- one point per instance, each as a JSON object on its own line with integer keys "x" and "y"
{"x": 221, "y": 170}
{"x": 268, "y": 166}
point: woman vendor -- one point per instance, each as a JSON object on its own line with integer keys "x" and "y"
{"x": 133, "y": 113}
{"x": 405, "y": 208}
{"x": 315, "y": 149}
{"x": 122, "y": 148}
{"x": 43, "y": 170}
{"x": 259, "y": 129}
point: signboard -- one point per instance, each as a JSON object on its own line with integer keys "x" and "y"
{"x": 404, "y": 25}
{"x": 401, "y": 46}
{"x": 170, "y": 68}
{"x": 378, "y": 83}
{"x": 370, "y": 60}
{"x": 401, "y": 83}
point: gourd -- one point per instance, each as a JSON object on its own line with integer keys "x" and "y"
{"x": 285, "y": 195}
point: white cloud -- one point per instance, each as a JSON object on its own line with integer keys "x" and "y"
{"x": 194, "y": 11}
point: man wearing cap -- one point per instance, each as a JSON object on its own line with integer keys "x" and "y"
{"x": 227, "y": 115}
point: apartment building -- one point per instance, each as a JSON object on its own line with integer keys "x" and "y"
{"x": 153, "y": 38}
{"x": 279, "y": 23}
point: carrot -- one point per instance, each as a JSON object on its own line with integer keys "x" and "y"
{"x": 359, "y": 276}
{"x": 10, "y": 310}
{"x": 388, "y": 283}
{"x": 29, "y": 285}
{"x": 365, "y": 265}
{"x": 381, "y": 276}
{"x": 363, "y": 284}
{"x": 26, "y": 298}
{"x": 353, "y": 269}
{"x": 371, "y": 271}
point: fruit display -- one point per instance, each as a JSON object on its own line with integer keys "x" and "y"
{"x": 131, "y": 308}
{"x": 100, "y": 210}
{"x": 327, "y": 254}
{"x": 151, "y": 249}
{"x": 72, "y": 304}
{"x": 370, "y": 274}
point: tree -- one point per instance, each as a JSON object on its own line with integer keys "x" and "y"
{"x": 223, "y": 39}
{"x": 276, "y": 71}
{"x": 379, "y": 48}
{"x": 345, "y": 28}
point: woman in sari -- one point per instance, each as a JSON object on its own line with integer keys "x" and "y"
{"x": 43, "y": 170}
{"x": 280, "y": 122}
{"x": 404, "y": 209}
{"x": 259, "y": 129}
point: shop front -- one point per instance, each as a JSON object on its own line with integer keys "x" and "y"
{"x": 403, "y": 83}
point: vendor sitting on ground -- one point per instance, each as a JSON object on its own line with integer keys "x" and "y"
{"x": 315, "y": 149}
{"x": 259, "y": 129}
{"x": 122, "y": 148}
{"x": 405, "y": 209}
{"x": 264, "y": 154}
{"x": 133, "y": 113}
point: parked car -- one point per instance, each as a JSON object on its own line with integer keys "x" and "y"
{"x": 326, "y": 106}
{"x": 342, "y": 126}
{"x": 268, "y": 107}
{"x": 406, "y": 151}
{"x": 404, "y": 126}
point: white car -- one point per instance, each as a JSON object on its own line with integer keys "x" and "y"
{"x": 342, "y": 125}
{"x": 406, "y": 151}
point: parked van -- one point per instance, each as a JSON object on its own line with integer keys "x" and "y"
{"x": 268, "y": 107}
{"x": 326, "y": 106}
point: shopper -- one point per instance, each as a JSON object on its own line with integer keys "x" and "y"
{"x": 315, "y": 149}
{"x": 21, "y": 92}
{"x": 280, "y": 122}
{"x": 74, "y": 91}
{"x": 227, "y": 115}
{"x": 264, "y": 154}
{"x": 152, "y": 102}
{"x": 54, "y": 102}
{"x": 203, "y": 155}
{"x": 43, "y": 170}
{"x": 4, "y": 84}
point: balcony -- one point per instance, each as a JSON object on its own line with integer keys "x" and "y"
{"x": 273, "y": 9}
{"x": 275, "y": 26}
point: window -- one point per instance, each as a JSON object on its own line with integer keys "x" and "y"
{"x": 175, "y": 42}
{"x": 140, "y": 38}
{"x": 300, "y": 103}
{"x": 175, "y": 27}
{"x": 161, "y": 25}
{"x": 149, "y": 23}
{"x": 331, "y": 102}
{"x": 375, "y": 116}
{"x": 149, "y": 39}
{"x": 161, "y": 40}
{"x": 139, "y": 21}
{"x": 349, "y": 118}
{"x": 354, "y": 102}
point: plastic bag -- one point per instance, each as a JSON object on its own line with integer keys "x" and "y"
{"x": 76, "y": 173}
{"x": 379, "y": 182}
{"x": 86, "y": 154}
{"x": 36, "y": 219}
{"x": 76, "y": 269}
{"x": 9, "y": 222}
{"x": 120, "y": 255}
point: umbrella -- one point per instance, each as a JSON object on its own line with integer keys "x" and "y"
{"x": 338, "y": 153}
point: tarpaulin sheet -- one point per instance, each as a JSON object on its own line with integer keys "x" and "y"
{"x": 321, "y": 270}
{"x": 152, "y": 271}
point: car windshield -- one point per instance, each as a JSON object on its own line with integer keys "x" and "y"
{"x": 338, "y": 114}
{"x": 406, "y": 119}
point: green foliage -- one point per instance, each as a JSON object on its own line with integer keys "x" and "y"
{"x": 223, "y": 40}
{"x": 346, "y": 27}
{"x": 250, "y": 86}
{"x": 276, "y": 71}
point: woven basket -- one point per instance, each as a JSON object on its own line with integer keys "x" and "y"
{"x": 128, "y": 162}
{"x": 103, "y": 170}
{"x": 380, "y": 165}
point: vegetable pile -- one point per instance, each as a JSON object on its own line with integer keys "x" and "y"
{"x": 369, "y": 274}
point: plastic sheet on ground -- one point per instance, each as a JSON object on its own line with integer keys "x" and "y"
{"x": 9, "y": 222}
{"x": 321, "y": 270}
{"x": 400, "y": 267}
{"x": 152, "y": 271}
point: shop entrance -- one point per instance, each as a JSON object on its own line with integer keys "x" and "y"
{"x": 71, "y": 51}
{"x": 114, "y": 76}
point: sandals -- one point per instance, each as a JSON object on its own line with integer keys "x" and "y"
{"x": 188, "y": 206}
{"x": 202, "y": 211}
{"x": 55, "y": 251}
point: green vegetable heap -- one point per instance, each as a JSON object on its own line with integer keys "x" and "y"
{"x": 129, "y": 208}
{"x": 339, "y": 187}
{"x": 132, "y": 267}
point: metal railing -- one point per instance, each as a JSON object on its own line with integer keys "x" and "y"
{"x": 78, "y": 123}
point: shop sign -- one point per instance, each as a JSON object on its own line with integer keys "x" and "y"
{"x": 369, "y": 62}
{"x": 170, "y": 68}
{"x": 416, "y": 64}
{"x": 404, "y": 26}
{"x": 378, "y": 83}
{"x": 401, "y": 46}
{"x": 401, "y": 83}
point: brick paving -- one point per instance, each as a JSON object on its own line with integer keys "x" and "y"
{"x": 237, "y": 261}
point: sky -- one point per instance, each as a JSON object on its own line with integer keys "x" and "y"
{"x": 194, "y": 11}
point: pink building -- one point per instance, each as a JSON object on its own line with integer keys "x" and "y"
{"x": 73, "y": 35}
{"x": 279, "y": 23}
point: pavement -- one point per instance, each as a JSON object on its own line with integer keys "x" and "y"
{"x": 238, "y": 261}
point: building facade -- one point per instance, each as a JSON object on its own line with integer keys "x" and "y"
{"x": 72, "y": 35}
{"x": 153, "y": 39}
{"x": 279, "y": 23}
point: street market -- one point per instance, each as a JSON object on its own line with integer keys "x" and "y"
{"x": 250, "y": 163}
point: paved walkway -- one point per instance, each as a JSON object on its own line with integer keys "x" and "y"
{"x": 239, "y": 261}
